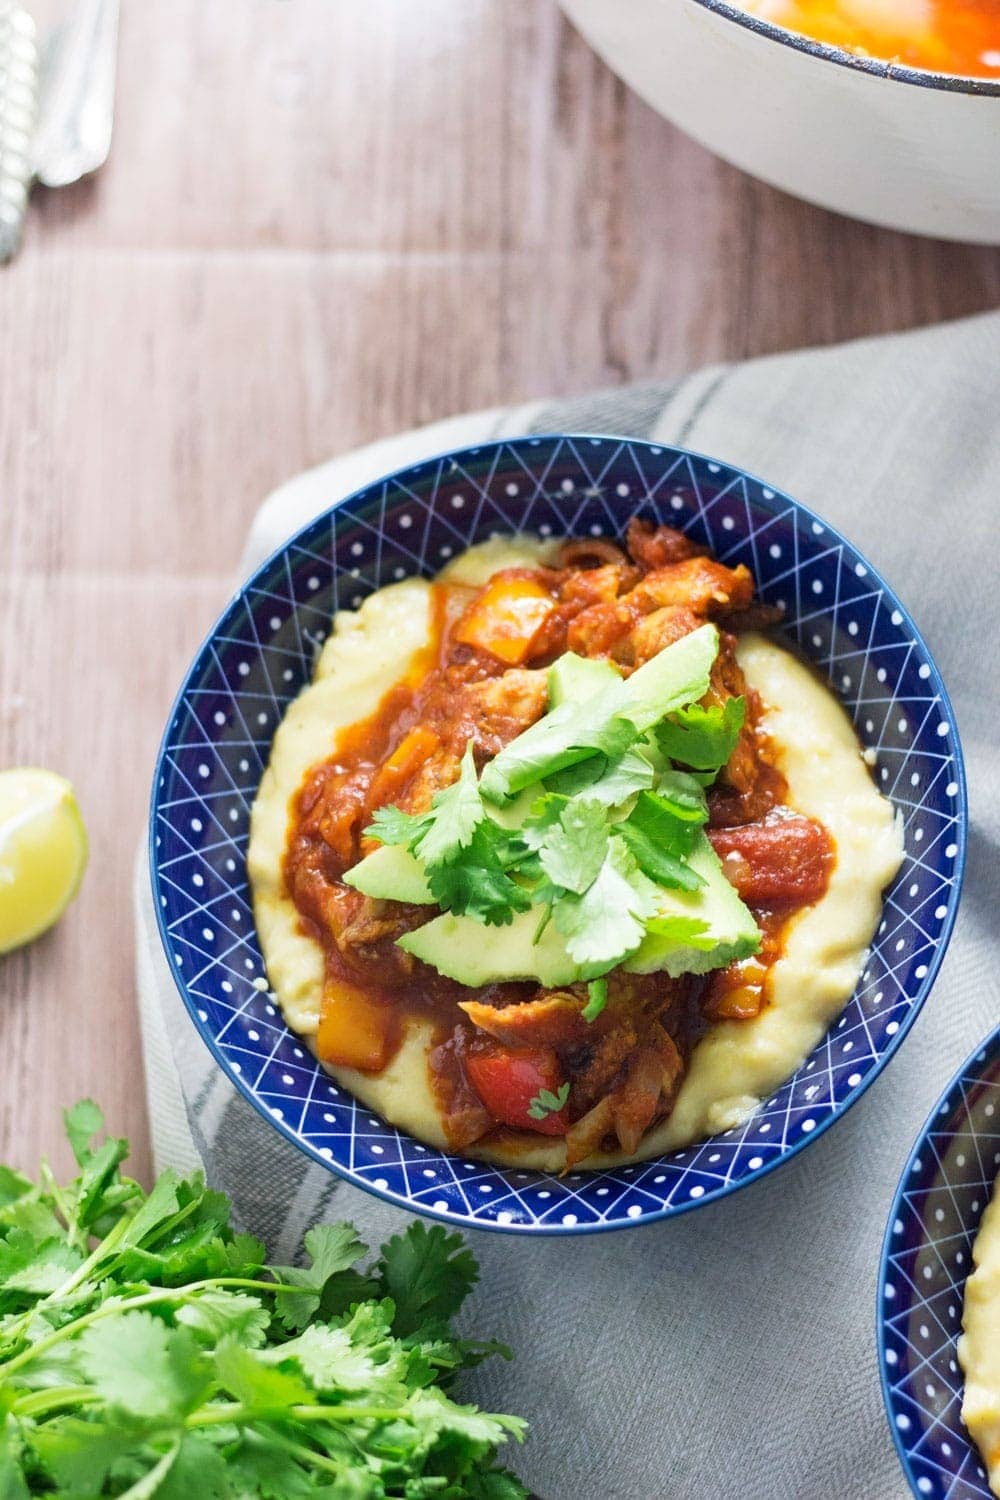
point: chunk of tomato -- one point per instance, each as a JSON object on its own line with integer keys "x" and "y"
{"x": 507, "y": 1079}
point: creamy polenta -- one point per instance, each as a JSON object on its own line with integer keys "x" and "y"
{"x": 737, "y": 1063}
{"x": 979, "y": 1346}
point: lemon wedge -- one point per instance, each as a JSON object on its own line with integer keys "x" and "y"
{"x": 43, "y": 852}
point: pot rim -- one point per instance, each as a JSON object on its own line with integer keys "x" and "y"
{"x": 953, "y": 83}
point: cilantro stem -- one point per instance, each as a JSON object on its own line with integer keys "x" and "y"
{"x": 39, "y": 1402}
{"x": 237, "y": 1412}
{"x": 93, "y": 1259}
{"x": 58, "y": 1197}
{"x": 150, "y": 1481}
{"x": 127, "y": 1304}
{"x": 303, "y": 1454}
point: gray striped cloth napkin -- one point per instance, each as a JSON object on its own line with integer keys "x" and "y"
{"x": 731, "y": 1351}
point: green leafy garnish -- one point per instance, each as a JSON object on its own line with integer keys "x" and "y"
{"x": 546, "y": 1103}
{"x": 458, "y": 810}
{"x": 390, "y": 825}
{"x": 659, "y": 841}
{"x": 614, "y": 780}
{"x": 571, "y": 733}
{"x": 607, "y": 923}
{"x": 609, "y": 782}
{"x": 575, "y": 847}
{"x": 703, "y": 738}
{"x": 597, "y": 999}
{"x": 685, "y": 932}
{"x": 147, "y": 1350}
{"x": 683, "y": 795}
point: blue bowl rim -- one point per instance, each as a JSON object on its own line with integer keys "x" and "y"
{"x": 989, "y": 1042}
{"x": 927, "y": 78}
{"x": 777, "y": 498}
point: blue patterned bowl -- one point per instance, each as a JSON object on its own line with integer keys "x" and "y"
{"x": 261, "y": 652}
{"x": 926, "y": 1257}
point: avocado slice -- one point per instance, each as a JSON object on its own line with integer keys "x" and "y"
{"x": 473, "y": 954}
{"x": 391, "y": 873}
{"x": 573, "y": 678}
{"x": 729, "y": 925}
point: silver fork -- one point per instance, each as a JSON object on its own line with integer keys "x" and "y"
{"x": 56, "y": 116}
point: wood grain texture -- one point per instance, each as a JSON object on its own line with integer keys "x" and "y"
{"x": 323, "y": 222}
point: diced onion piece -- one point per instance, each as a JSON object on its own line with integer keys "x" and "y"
{"x": 505, "y": 618}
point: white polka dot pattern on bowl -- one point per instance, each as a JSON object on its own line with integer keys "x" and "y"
{"x": 926, "y": 1258}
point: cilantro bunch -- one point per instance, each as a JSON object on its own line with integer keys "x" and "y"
{"x": 147, "y": 1350}
{"x": 607, "y": 810}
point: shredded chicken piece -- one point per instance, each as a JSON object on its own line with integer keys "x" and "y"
{"x": 585, "y": 1137}
{"x": 654, "y": 632}
{"x": 552, "y": 1019}
{"x": 703, "y": 585}
{"x": 495, "y": 711}
{"x": 657, "y": 546}
{"x": 635, "y": 1103}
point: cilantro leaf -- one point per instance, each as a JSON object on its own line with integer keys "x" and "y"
{"x": 456, "y": 812}
{"x": 80, "y": 1454}
{"x": 495, "y": 1484}
{"x": 659, "y": 841}
{"x": 32, "y": 1268}
{"x": 213, "y": 1314}
{"x": 428, "y": 1273}
{"x": 475, "y": 882}
{"x": 258, "y": 1468}
{"x": 199, "y": 1469}
{"x": 13, "y": 1187}
{"x": 606, "y": 924}
{"x": 243, "y": 1255}
{"x": 597, "y": 999}
{"x": 610, "y": 782}
{"x": 689, "y": 932}
{"x": 82, "y": 1123}
{"x": 255, "y": 1383}
{"x": 571, "y": 733}
{"x": 161, "y": 1204}
{"x": 574, "y": 849}
{"x": 12, "y": 1481}
{"x": 333, "y": 1249}
{"x": 140, "y": 1366}
{"x": 547, "y": 1103}
{"x": 98, "y": 1178}
{"x": 390, "y": 825}
{"x": 544, "y": 813}
{"x": 333, "y": 1359}
{"x": 683, "y": 796}
{"x": 704, "y": 738}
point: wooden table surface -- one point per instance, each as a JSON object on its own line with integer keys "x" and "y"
{"x": 323, "y": 222}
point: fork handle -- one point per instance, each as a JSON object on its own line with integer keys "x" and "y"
{"x": 76, "y": 111}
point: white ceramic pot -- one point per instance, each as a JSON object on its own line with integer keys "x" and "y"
{"x": 912, "y": 150}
